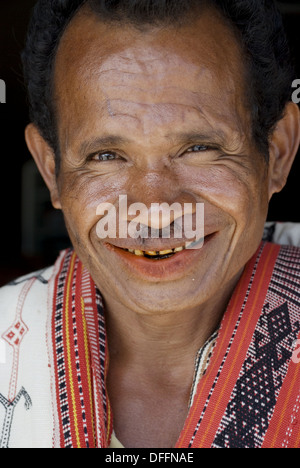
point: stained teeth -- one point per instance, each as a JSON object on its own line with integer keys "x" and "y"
{"x": 155, "y": 253}
{"x": 165, "y": 252}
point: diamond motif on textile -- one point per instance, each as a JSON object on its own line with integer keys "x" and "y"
{"x": 16, "y": 332}
{"x": 254, "y": 396}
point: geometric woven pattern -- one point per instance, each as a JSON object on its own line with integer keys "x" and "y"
{"x": 79, "y": 345}
{"x": 254, "y": 397}
{"x": 250, "y": 394}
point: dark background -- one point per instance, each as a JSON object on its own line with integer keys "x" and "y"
{"x": 31, "y": 232}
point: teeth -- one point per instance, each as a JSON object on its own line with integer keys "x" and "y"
{"x": 154, "y": 253}
{"x": 139, "y": 253}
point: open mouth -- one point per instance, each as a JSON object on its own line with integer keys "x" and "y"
{"x": 163, "y": 265}
{"x": 162, "y": 254}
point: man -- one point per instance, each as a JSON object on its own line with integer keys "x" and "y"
{"x": 148, "y": 340}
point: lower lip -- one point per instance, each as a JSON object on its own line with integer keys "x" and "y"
{"x": 169, "y": 269}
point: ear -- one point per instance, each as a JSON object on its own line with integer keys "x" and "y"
{"x": 283, "y": 146}
{"x": 45, "y": 161}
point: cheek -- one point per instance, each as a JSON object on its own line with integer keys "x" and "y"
{"x": 80, "y": 196}
{"x": 239, "y": 194}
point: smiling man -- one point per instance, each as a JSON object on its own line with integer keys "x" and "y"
{"x": 151, "y": 341}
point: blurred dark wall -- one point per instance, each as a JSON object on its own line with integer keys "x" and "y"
{"x": 16, "y": 260}
{"x": 284, "y": 206}
{"x": 14, "y": 16}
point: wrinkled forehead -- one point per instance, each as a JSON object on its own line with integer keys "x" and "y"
{"x": 90, "y": 46}
{"x": 98, "y": 61}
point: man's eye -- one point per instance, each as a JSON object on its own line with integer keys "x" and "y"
{"x": 99, "y": 157}
{"x": 198, "y": 148}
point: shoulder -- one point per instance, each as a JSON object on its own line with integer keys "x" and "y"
{"x": 282, "y": 233}
{"x": 33, "y": 286}
{"x": 287, "y": 267}
{"x": 284, "y": 287}
{"x": 41, "y": 276}
{"x": 289, "y": 255}
{"x": 30, "y": 294}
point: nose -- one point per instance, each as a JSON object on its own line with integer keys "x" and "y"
{"x": 159, "y": 201}
{"x": 159, "y": 215}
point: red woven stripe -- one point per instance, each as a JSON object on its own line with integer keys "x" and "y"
{"x": 70, "y": 361}
{"x": 100, "y": 396}
{"x": 240, "y": 345}
{"x": 74, "y": 388}
{"x": 223, "y": 384}
{"x": 85, "y": 404}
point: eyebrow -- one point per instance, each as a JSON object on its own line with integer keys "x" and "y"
{"x": 94, "y": 144}
{"x": 101, "y": 142}
{"x": 209, "y": 136}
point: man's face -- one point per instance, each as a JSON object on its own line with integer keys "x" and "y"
{"x": 158, "y": 116}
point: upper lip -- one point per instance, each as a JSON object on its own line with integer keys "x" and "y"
{"x": 145, "y": 247}
{"x": 155, "y": 245}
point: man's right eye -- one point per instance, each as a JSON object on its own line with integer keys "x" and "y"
{"x": 99, "y": 157}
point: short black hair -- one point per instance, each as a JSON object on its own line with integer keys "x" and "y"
{"x": 258, "y": 23}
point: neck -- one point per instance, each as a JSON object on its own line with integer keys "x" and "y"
{"x": 163, "y": 343}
